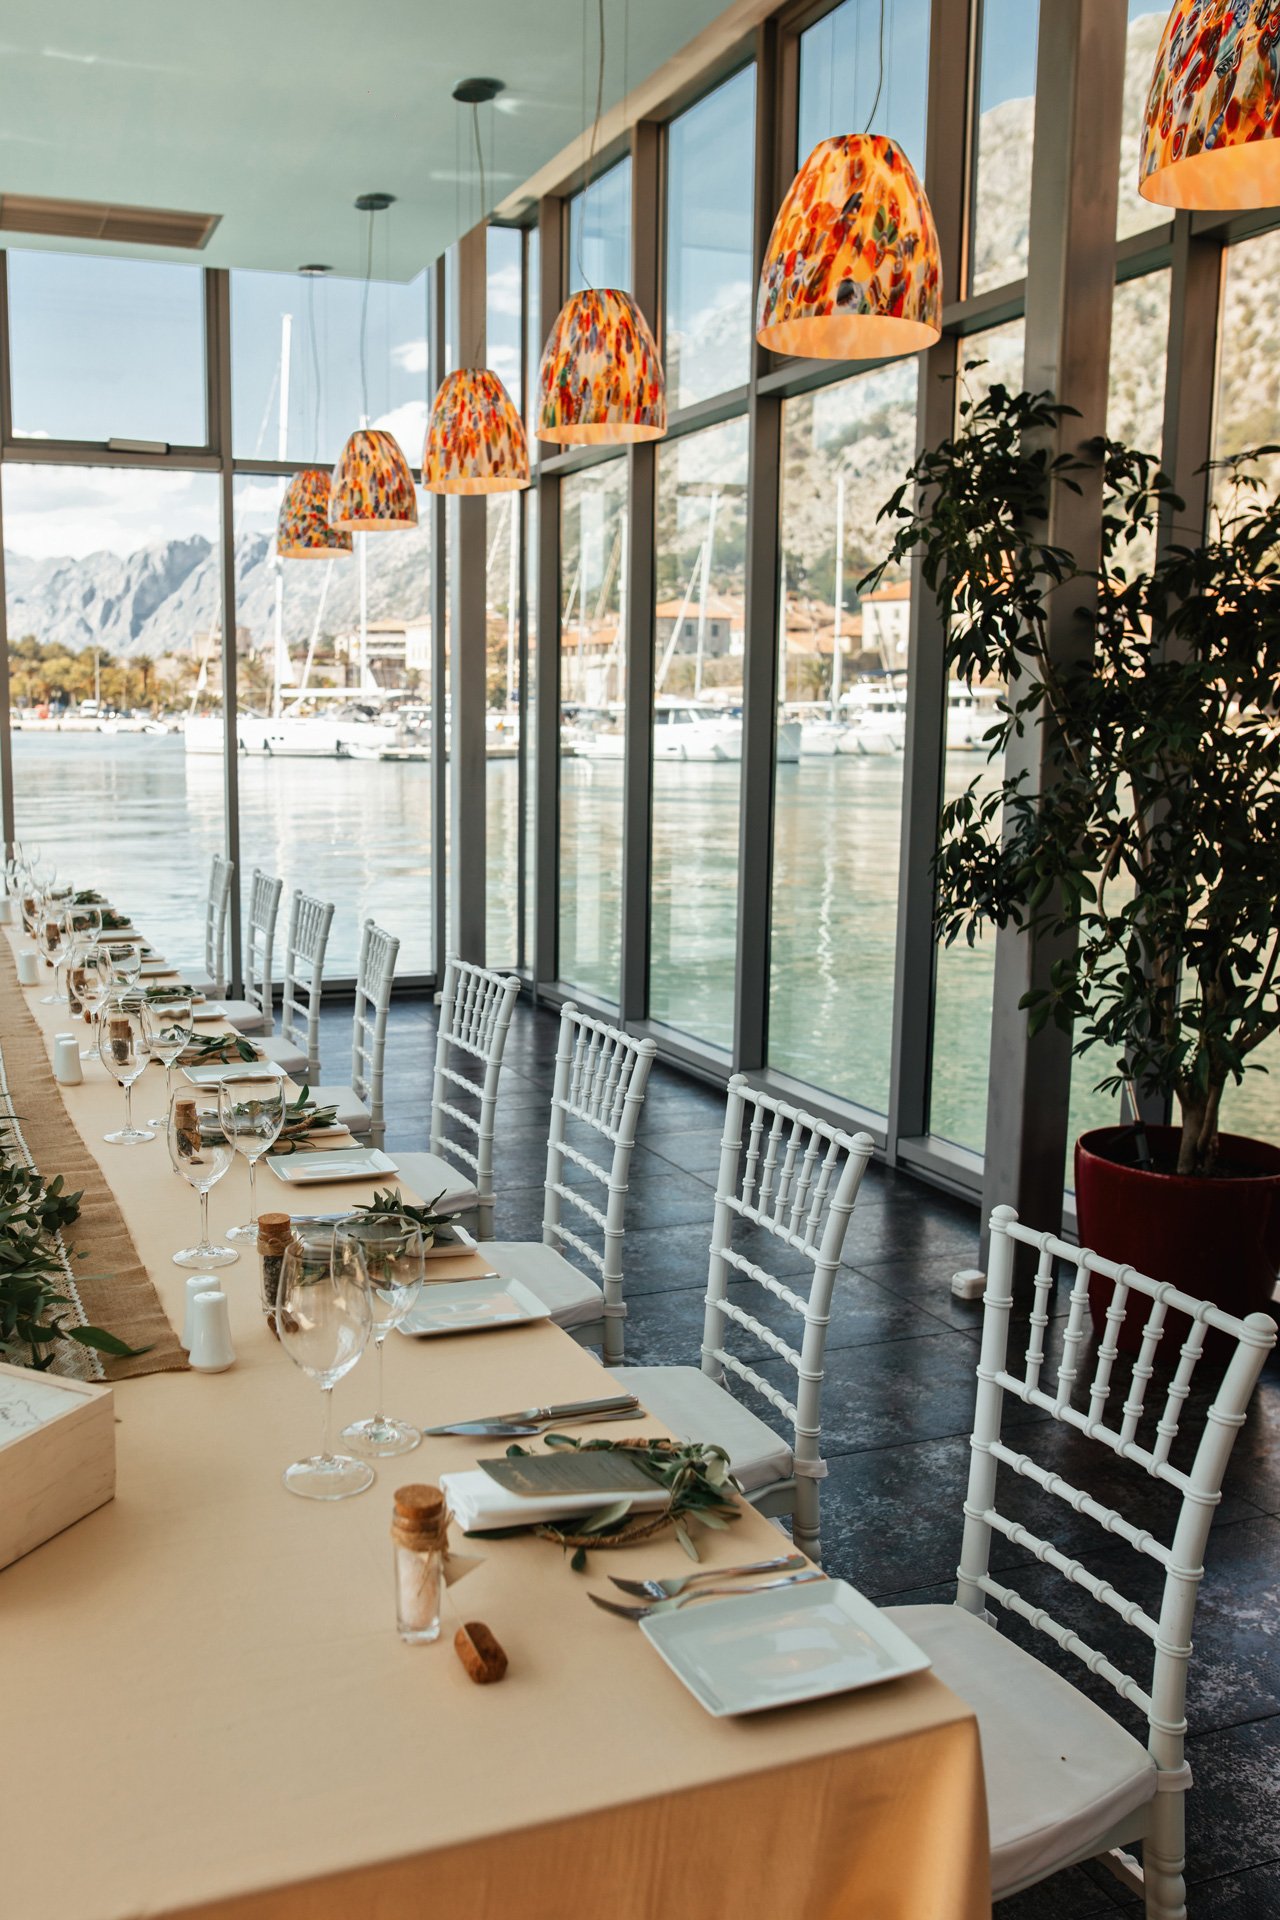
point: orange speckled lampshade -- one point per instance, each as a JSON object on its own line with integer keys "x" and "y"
{"x": 302, "y": 530}
{"x": 600, "y": 377}
{"x": 852, "y": 270}
{"x": 475, "y": 442}
{"x": 1213, "y": 109}
{"x": 372, "y": 485}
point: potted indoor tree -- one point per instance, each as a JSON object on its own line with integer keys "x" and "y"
{"x": 1155, "y": 849}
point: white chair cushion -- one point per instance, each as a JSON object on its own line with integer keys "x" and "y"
{"x": 285, "y": 1055}
{"x": 352, "y": 1112}
{"x": 430, "y": 1176}
{"x": 245, "y": 1016}
{"x": 195, "y": 978}
{"x": 1060, "y": 1772}
{"x": 574, "y": 1299}
{"x": 695, "y": 1407}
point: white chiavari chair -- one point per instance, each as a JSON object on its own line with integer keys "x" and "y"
{"x": 475, "y": 1015}
{"x": 360, "y": 1105}
{"x": 256, "y": 1013}
{"x": 1065, "y": 1781}
{"x": 217, "y": 906}
{"x": 297, "y": 1049}
{"x": 793, "y": 1179}
{"x": 599, "y": 1089}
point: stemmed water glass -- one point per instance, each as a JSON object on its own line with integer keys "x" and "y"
{"x": 90, "y": 982}
{"x": 52, "y": 940}
{"x": 389, "y": 1250}
{"x": 83, "y": 923}
{"x": 126, "y": 960}
{"x": 124, "y": 1047}
{"x": 172, "y": 1026}
{"x": 323, "y": 1318}
{"x": 201, "y": 1153}
{"x": 253, "y": 1111}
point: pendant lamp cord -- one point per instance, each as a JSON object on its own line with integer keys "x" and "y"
{"x": 477, "y": 356}
{"x": 591, "y": 150}
{"x": 880, "y": 77}
{"x": 364, "y": 324}
{"x": 315, "y": 366}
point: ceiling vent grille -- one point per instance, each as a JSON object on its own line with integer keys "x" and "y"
{"x": 94, "y": 220}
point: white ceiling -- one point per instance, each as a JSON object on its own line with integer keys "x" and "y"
{"x": 275, "y": 114}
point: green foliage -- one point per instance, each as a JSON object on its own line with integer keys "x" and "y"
{"x": 388, "y": 1200}
{"x": 35, "y": 1314}
{"x": 696, "y": 1479}
{"x": 1152, "y": 856}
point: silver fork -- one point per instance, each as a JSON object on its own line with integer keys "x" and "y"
{"x": 668, "y": 1589}
{"x": 702, "y": 1593}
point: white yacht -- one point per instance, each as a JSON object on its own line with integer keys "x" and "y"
{"x": 682, "y": 730}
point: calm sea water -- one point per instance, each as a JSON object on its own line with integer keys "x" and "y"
{"x": 137, "y": 816}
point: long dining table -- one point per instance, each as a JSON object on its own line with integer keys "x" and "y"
{"x": 208, "y": 1710}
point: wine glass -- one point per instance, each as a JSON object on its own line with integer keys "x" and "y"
{"x": 389, "y": 1249}
{"x": 51, "y": 938}
{"x": 126, "y": 958}
{"x": 253, "y": 1113}
{"x": 90, "y": 979}
{"x": 172, "y": 1026}
{"x": 201, "y": 1153}
{"x": 124, "y": 1047}
{"x": 323, "y": 1318}
{"x": 84, "y": 923}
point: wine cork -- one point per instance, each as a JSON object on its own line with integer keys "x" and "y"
{"x": 480, "y": 1652}
{"x": 421, "y": 1518}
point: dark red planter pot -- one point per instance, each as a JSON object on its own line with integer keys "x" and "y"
{"x": 1218, "y": 1240}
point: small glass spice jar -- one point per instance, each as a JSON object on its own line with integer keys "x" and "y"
{"x": 275, "y": 1231}
{"x": 419, "y": 1540}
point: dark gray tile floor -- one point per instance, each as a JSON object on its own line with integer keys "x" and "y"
{"x": 897, "y": 1412}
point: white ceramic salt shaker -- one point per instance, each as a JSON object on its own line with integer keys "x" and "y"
{"x": 211, "y": 1350}
{"x": 28, "y": 968}
{"x": 6, "y": 910}
{"x": 66, "y": 1060}
{"x": 202, "y": 1282}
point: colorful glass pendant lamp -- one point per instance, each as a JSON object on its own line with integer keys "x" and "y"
{"x": 852, "y": 270}
{"x": 601, "y": 378}
{"x": 1211, "y": 134}
{"x": 302, "y": 529}
{"x": 373, "y": 489}
{"x": 475, "y": 439}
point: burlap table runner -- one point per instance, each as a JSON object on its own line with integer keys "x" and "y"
{"x": 108, "y": 1282}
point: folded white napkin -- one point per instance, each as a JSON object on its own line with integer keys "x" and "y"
{"x": 479, "y": 1503}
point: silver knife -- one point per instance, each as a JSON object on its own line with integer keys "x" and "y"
{"x": 570, "y": 1410}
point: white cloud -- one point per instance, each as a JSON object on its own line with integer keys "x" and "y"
{"x": 54, "y": 511}
{"x": 411, "y": 356}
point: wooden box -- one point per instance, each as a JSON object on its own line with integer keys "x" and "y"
{"x": 57, "y": 1455}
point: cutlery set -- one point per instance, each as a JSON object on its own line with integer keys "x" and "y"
{"x": 533, "y": 1420}
{"x": 704, "y": 1587}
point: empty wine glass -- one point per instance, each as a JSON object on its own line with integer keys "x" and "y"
{"x": 253, "y": 1113}
{"x": 84, "y": 922}
{"x": 126, "y": 958}
{"x": 124, "y": 1047}
{"x": 201, "y": 1153}
{"x": 323, "y": 1319}
{"x": 171, "y": 1029}
{"x": 51, "y": 938}
{"x": 90, "y": 979}
{"x": 389, "y": 1249}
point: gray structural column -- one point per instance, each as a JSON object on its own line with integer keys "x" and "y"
{"x": 1070, "y": 285}
{"x": 946, "y": 168}
{"x": 7, "y": 825}
{"x": 775, "y": 152}
{"x": 218, "y": 376}
{"x": 546, "y": 914}
{"x": 437, "y": 510}
{"x": 468, "y": 645}
{"x": 642, "y": 485}
{"x": 1195, "y": 297}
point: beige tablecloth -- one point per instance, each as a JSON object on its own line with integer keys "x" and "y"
{"x": 207, "y": 1710}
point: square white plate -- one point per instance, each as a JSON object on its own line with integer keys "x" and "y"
{"x": 157, "y": 966}
{"x": 308, "y": 1169}
{"x": 208, "y": 1011}
{"x": 754, "y": 1651}
{"x": 217, "y": 1071}
{"x": 473, "y": 1306}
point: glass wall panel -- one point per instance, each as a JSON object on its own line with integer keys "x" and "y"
{"x": 533, "y": 338}
{"x": 529, "y": 725}
{"x": 1006, "y": 126}
{"x": 113, "y": 587}
{"x": 842, "y": 680}
{"x": 334, "y": 694}
{"x": 106, "y": 349}
{"x": 505, "y": 310}
{"x": 593, "y": 571}
{"x": 710, "y": 248}
{"x": 600, "y": 231}
{"x": 502, "y": 729}
{"x": 963, "y": 974}
{"x": 296, "y": 384}
{"x": 840, "y": 75}
{"x": 697, "y": 733}
{"x": 1146, "y": 24}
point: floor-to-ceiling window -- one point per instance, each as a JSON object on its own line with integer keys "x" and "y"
{"x": 504, "y": 352}
{"x": 1001, "y": 203}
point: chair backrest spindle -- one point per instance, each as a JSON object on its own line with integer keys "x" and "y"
{"x": 308, "y": 940}
{"x": 475, "y": 1014}
{"x": 374, "y": 977}
{"x": 259, "y": 945}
